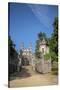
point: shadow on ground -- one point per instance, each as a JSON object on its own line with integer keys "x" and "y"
{"x": 20, "y": 75}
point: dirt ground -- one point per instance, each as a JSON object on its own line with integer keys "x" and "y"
{"x": 27, "y": 77}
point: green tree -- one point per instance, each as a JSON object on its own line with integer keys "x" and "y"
{"x": 12, "y": 57}
{"x": 42, "y": 36}
{"x": 10, "y": 42}
{"x": 53, "y": 42}
{"x": 11, "y": 47}
{"x": 55, "y": 34}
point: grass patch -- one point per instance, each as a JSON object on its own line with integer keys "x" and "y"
{"x": 54, "y": 70}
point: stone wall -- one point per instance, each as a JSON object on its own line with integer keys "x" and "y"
{"x": 43, "y": 66}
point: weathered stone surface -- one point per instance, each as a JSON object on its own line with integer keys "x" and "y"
{"x": 43, "y": 66}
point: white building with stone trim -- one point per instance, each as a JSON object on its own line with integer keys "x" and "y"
{"x": 43, "y": 47}
{"x": 26, "y": 53}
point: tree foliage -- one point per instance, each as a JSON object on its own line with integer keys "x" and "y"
{"x": 42, "y": 36}
{"x": 11, "y": 47}
{"x": 53, "y": 42}
{"x": 47, "y": 56}
{"x": 12, "y": 56}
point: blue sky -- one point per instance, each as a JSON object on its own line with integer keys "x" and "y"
{"x": 27, "y": 20}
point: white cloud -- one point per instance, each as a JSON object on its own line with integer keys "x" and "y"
{"x": 41, "y": 12}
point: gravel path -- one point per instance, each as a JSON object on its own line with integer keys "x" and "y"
{"x": 27, "y": 77}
